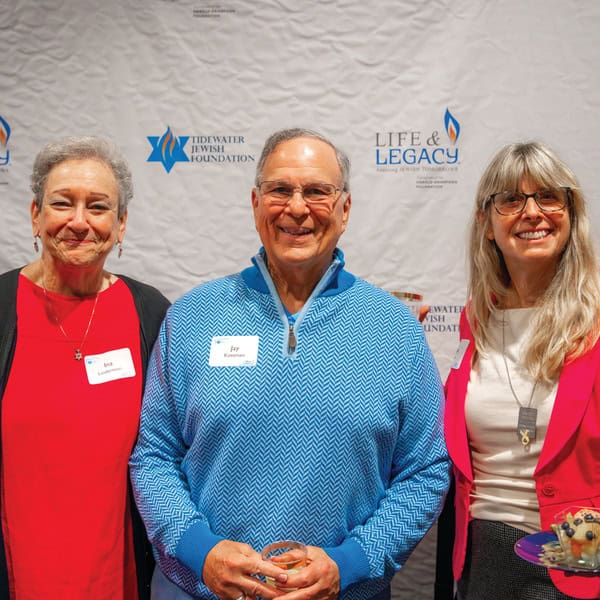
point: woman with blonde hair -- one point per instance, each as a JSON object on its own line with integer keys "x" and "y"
{"x": 523, "y": 396}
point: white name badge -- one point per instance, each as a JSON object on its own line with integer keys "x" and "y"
{"x": 233, "y": 351}
{"x": 116, "y": 364}
{"x": 460, "y": 352}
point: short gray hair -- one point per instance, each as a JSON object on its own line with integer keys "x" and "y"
{"x": 81, "y": 147}
{"x": 285, "y": 135}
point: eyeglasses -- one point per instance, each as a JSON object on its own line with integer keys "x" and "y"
{"x": 513, "y": 203}
{"x": 279, "y": 193}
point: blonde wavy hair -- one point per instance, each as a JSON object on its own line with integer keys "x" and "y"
{"x": 566, "y": 325}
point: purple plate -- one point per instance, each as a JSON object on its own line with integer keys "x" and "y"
{"x": 544, "y": 549}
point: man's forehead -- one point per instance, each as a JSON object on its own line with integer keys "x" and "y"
{"x": 302, "y": 152}
{"x": 303, "y": 145}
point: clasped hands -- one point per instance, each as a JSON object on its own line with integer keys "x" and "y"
{"x": 232, "y": 570}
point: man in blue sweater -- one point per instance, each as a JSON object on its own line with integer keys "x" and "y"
{"x": 292, "y": 400}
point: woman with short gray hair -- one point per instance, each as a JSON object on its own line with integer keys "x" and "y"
{"x": 74, "y": 343}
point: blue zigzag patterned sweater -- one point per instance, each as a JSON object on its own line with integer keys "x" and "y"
{"x": 338, "y": 443}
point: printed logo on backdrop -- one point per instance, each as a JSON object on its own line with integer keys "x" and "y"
{"x": 442, "y": 318}
{"x": 441, "y": 327}
{"x": 432, "y": 155}
{"x": 4, "y": 137}
{"x": 210, "y": 11}
{"x": 214, "y": 11}
{"x": 4, "y": 151}
{"x": 169, "y": 149}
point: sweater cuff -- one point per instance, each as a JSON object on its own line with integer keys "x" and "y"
{"x": 351, "y": 561}
{"x": 194, "y": 545}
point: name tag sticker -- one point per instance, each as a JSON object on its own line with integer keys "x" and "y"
{"x": 460, "y": 352}
{"x": 233, "y": 351}
{"x": 109, "y": 366}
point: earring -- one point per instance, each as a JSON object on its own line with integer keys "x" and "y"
{"x": 35, "y": 244}
{"x": 120, "y": 250}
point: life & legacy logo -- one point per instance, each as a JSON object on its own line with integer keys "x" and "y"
{"x": 433, "y": 157}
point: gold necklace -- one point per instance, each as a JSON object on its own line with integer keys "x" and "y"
{"x": 77, "y": 350}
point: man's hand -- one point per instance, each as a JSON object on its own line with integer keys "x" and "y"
{"x": 319, "y": 580}
{"x": 229, "y": 571}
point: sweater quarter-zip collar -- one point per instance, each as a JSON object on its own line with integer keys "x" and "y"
{"x": 291, "y": 327}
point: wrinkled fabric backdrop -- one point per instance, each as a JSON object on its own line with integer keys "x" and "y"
{"x": 420, "y": 95}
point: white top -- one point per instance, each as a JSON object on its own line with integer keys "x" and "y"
{"x": 503, "y": 467}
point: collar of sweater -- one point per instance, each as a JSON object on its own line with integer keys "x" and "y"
{"x": 338, "y": 282}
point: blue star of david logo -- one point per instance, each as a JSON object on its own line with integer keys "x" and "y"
{"x": 168, "y": 149}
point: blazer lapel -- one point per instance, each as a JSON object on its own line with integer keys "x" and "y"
{"x": 456, "y": 426}
{"x": 572, "y": 397}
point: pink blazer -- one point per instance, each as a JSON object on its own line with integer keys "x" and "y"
{"x": 568, "y": 471}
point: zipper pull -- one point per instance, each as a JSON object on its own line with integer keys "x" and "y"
{"x": 291, "y": 340}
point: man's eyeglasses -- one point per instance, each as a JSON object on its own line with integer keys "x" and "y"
{"x": 513, "y": 203}
{"x": 279, "y": 193}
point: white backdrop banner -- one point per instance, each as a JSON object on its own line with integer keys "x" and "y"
{"x": 420, "y": 95}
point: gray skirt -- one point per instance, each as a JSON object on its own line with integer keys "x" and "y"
{"x": 493, "y": 570}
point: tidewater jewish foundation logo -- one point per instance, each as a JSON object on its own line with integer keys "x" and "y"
{"x": 168, "y": 149}
{"x": 204, "y": 148}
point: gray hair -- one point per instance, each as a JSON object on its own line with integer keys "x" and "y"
{"x": 285, "y": 135}
{"x": 81, "y": 147}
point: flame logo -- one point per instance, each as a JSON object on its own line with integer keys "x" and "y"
{"x": 168, "y": 149}
{"x": 452, "y": 126}
{"x": 167, "y": 144}
{"x": 4, "y": 132}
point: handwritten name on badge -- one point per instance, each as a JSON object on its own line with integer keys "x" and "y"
{"x": 233, "y": 351}
{"x": 109, "y": 366}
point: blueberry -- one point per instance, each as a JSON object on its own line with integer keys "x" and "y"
{"x": 570, "y": 532}
{"x": 589, "y": 517}
{"x": 565, "y": 525}
{"x": 578, "y": 521}
{"x": 589, "y": 535}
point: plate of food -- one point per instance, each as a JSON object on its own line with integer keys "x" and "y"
{"x": 573, "y": 544}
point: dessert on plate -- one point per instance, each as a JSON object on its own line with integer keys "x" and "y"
{"x": 578, "y": 531}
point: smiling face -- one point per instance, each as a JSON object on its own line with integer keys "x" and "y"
{"x": 532, "y": 239}
{"x": 296, "y": 237}
{"x": 78, "y": 220}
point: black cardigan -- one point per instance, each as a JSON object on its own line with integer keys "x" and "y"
{"x": 151, "y": 307}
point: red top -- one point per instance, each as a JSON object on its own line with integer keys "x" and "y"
{"x": 65, "y": 447}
